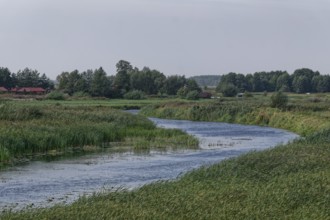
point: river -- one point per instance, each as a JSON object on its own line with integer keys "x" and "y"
{"x": 40, "y": 184}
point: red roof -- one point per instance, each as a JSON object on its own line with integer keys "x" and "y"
{"x": 3, "y": 89}
{"x": 28, "y": 89}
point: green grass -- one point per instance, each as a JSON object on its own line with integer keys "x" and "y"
{"x": 286, "y": 182}
{"x": 302, "y": 115}
{"x": 114, "y": 103}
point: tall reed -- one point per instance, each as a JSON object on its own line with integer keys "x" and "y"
{"x": 30, "y": 130}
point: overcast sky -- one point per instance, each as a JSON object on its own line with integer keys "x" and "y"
{"x": 191, "y": 37}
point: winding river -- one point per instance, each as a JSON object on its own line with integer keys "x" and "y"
{"x": 39, "y": 184}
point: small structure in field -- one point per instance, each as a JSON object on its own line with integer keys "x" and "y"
{"x": 29, "y": 90}
{"x": 3, "y": 89}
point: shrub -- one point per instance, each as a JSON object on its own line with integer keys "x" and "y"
{"x": 135, "y": 94}
{"x": 279, "y": 100}
{"x": 182, "y": 92}
{"x": 56, "y": 95}
{"x": 193, "y": 95}
{"x": 229, "y": 90}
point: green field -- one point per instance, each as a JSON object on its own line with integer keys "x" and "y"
{"x": 286, "y": 182}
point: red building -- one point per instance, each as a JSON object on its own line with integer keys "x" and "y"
{"x": 29, "y": 90}
{"x": 3, "y": 89}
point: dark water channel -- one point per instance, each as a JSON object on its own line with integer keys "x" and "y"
{"x": 39, "y": 184}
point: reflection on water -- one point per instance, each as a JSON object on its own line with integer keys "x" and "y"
{"x": 62, "y": 181}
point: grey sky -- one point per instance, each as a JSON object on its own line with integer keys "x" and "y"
{"x": 191, "y": 37}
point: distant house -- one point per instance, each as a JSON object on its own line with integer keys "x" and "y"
{"x": 29, "y": 90}
{"x": 3, "y": 89}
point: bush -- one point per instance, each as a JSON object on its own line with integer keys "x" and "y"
{"x": 279, "y": 100}
{"x": 229, "y": 90}
{"x": 56, "y": 95}
{"x": 135, "y": 94}
{"x": 193, "y": 95}
{"x": 182, "y": 92}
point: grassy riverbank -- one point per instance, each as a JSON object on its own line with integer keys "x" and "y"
{"x": 302, "y": 115}
{"x": 30, "y": 131}
{"x": 286, "y": 182}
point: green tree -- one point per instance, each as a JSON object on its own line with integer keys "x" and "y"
{"x": 229, "y": 90}
{"x": 70, "y": 82}
{"x": 100, "y": 85}
{"x": 258, "y": 82}
{"x": 192, "y": 95}
{"x": 321, "y": 83}
{"x": 283, "y": 83}
{"x": 122, "y": 79}
{"x": 182, "y": 92}
{"x": 192, "y": 85}
{"x": 31, "y": 78}
{"x": 302, "y": 80}
{"x": 173, "y": 83}
{"x": 5, "y": 77}
{"x": 301, "y": 84}
{"x": 149, "y": 81}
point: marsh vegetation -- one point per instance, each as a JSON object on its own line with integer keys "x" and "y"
{"x": 291, "y": 181}
{"x": 30, "y": 131}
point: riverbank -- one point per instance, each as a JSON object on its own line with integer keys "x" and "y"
{"x": 303, "y": 118}
{"x": 286, "y": 182}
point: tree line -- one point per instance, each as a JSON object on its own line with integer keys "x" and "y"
{"x": 127, "y": 81}
{"x": 301, "y": 81}
{"x": 24, "y": 78}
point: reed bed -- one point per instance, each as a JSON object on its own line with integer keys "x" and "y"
{"x": 26, "y": 131}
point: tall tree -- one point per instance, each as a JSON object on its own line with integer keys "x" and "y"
{"x": 70, "y": 82}
{"x": 173, "y": 83}
{"x": 303, "y": 77}
{"x": 283, "y": 83}
{"x": 5, "y": 77}
{"x": 31, "y": 78}
{"x": 301, "y": 84}
{"x": 100, "y": 85}
{"x": 122, "y": 79}
{"x": 321, "y": 83}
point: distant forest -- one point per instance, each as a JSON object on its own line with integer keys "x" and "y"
{"x": 128, "y": 82}
{"x": 24, "y": 78}
{"x": 301, "y": 81}
{"x": 207, "y": 80}
{"x": 131, "y": 82}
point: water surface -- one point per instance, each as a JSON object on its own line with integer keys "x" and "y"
{"x": 39, "y": 184}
